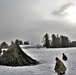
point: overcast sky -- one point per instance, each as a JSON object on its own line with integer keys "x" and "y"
{"x": 31, "y": 19}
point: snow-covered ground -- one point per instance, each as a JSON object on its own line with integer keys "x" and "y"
{"x": 46, "y": 57}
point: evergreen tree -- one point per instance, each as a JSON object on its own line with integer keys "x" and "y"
{"x": 65, "y": 41}
{"x": 17, "y": 42}
{"x": 54, "y": 41}
{"x": 4, "y": 45}
{"x": 20, "y": 42}
{"x": 46, "y": 41}
{"x": 26, "y": 42}
{"x": 58, "y": 41}
{"x": 12, "y": 42}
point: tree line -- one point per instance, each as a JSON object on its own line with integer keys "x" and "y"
{"x": 20, "y": 42}
{"x": 57, "y": 41}
{"x": 17, "y": 41}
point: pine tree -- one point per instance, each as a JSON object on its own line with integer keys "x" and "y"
{"x": 46, "y": 41}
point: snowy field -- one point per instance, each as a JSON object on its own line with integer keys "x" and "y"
{"x": 46, "y": 57}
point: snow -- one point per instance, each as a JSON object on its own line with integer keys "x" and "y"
{"x": 3, "y": 49}
{"x": 27, "y": 46}
{"x": 46, "y": 57}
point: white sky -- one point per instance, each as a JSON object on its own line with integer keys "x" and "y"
{"x": 31, "y": 19}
